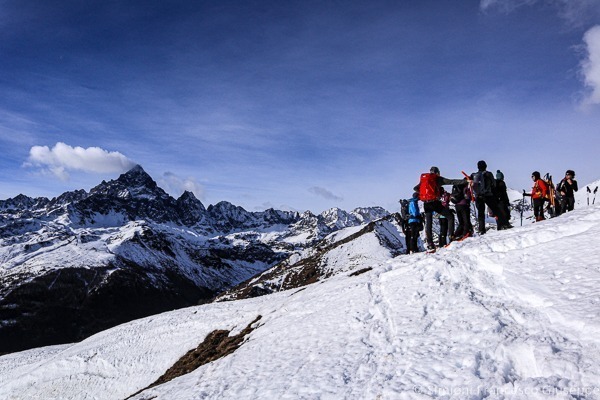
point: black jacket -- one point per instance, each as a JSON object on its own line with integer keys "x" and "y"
{"x": 568, "y": 188}
{"x": 501, "y": 191}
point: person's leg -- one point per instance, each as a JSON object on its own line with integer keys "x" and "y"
{"x": 571, "y": 203}
{"x": 443, "y": 232}
{"x": 492, "y": 203}
{"x": 446, "y": 212}
{"x": 429, "y": 208}
{"x": 460, "y": 229}
{"x": 408, "y": 239}
{"x": 538, "y": 209}
{"x": 415, "y": 237}
{"x": 480, "y": 205}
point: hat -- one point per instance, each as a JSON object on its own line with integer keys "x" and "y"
{"x": 535, "y": 174}
{"x": 434, "y": 170}
{"x": 499, "y": 175}
{"x": 570, "y": 172}
{"x": 481, "y": 165}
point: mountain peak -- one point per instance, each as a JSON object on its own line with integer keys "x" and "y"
{"x": 136, "y": 171}
{"x": 137, "y": 177}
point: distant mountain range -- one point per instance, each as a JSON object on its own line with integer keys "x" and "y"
{"x": 84, "y": 261}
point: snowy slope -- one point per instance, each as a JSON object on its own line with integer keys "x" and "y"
{"x": 510, "y": 315}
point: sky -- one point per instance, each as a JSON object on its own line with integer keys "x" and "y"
{"x": 296, "y": 105}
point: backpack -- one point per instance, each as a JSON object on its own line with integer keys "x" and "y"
{"x": 404, "y": 213}
{"x": 429, "y": 189}
{"x": 482, "y": 184}
{"x": 458, "y": 194}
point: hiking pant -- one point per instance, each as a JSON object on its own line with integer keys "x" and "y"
{"x": 567, "y": 203}
{"x": 463, "y": 213}
{"x": 412, "y": 237}
{"x": 538, "y": 209}
{"x": 492, "y": 203}
{"x": 443, "y": 232}
{"x": 430, "y": 207}
{"x": 502, "y": 205}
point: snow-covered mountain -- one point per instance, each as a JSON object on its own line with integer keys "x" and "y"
{"x": 85, "y": 261}
{"x": 513, "y": 314}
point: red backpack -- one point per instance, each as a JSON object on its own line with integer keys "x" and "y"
{"x": 429, "y": 189}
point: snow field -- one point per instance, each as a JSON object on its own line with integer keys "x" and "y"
{"x": 510, "y": 315}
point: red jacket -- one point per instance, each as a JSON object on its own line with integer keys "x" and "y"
{"x": 540, "y": 189}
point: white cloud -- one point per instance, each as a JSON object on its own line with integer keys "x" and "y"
{"x": 176, "y": 185}
{"x": 326, "y": 194}
{"x": 590, "y": 67}
{"x": 63, "y": 158}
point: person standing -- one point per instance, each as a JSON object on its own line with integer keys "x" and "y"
{"x": 444, "y": 220}
{"x": 484, "y": 190}
{"x": 539, "y": 194}
{"x": 429, "y": 193}
{"x": 461, "y": 197}
{"x": 414, "y": 225}
{"x": 567, "y": 188}
{"x": 502, "y": 195}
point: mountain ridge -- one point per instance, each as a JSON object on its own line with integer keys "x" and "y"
{"x": 127, "y": 235}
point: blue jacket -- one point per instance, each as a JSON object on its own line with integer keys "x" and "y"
{"x": 413, "y": 211}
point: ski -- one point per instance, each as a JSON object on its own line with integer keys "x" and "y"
{"x": 588, "y": 194}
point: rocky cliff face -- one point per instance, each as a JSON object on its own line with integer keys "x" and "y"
{"x": 85, "y": 261}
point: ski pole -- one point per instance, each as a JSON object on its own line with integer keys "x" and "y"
{"x": 522, "y": 206}
{"x": 595, "y": 190}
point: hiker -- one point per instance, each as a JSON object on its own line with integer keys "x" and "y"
{"x": 444, "y": 220}
{"x": 502, "y": 195}
{"x": 415, "y": 225}
{"x": 461, "y": 197}
{"x": 539, "y": 194}
{"x": 484, "y": 191}
{"x": 567, "y": 188}
{"x": 429, "y": 193}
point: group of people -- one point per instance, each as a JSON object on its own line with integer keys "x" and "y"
{"x": 561, "y": 197}
{"x": 483, "y": 189}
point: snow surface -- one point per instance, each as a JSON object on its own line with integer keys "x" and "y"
{"x": 509, "y": 315}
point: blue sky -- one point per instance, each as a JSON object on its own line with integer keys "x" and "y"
{"x": 295, "y": 104}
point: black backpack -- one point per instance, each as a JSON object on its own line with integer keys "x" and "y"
{"x": 482, "y": 184}
{"x": 404, "y": 210}
{"x": 458, "y": 193}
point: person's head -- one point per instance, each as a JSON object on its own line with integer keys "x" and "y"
{"x": 415, "y": 195}
{"x": 535, "y": 175}
{"x": 481, "y": 165}
{"x": 434, "y": 170}
{"x": 570, "y": 174}
{"x": 499, "y": 175}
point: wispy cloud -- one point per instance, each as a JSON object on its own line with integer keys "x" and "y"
{"x": 590, "y": 67}
{"x": 62, "y": 159}
{"x": 176, "y": 185}
{"x": 324, "y": 193}
{"x": 575, "y": 13}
